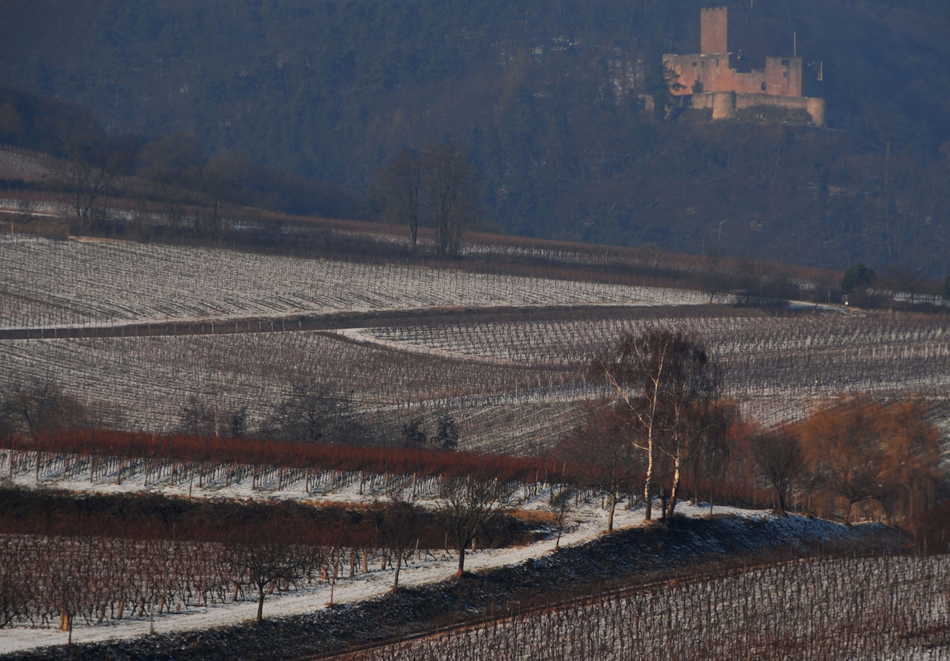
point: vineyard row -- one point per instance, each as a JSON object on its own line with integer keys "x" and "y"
{"x": 52, "y": 581}
{"x": 845, "y": 608}
{"x": 113, "y": 458}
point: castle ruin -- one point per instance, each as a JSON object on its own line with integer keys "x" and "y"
{"x": 710, "y": 80}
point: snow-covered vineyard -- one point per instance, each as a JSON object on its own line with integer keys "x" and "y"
{"x": 24, "y": 164}
{"x": 505, "y": 358}
{"x": 510, "y": 385}
{"x": 146, "y": 381}
{"x": 777, "y": 367}
{"x": 728, "y": 334}
{"x": 819, "y": 606}
{"x": 87, "y": 282}
{"x": 852, "y": 608}
{"x": 132, "y": 587}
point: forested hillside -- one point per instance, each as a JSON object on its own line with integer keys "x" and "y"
{"x": 547, "y": 98}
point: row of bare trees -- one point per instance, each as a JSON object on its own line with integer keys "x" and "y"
{"x": 179, "y": 191}
{"x": 310, "y": 412}
{"x": 663, "y": 428}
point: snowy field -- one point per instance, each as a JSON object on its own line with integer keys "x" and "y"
{"x": 728, "y": 333}
{"x": 586, "y": 520}
{"x": 94, "y": 282}
{"x": 513, "y": 387}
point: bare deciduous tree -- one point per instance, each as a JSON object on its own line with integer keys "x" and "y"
{"x": 779, "y": 460}
{"x": 265, "y": 561}
{"x": 173, "y": 164}
{"x": 600, "y": 447}
{"x": 69, "y": 579}
{"x": 201, "y": 417}
{"x": 859, "y": 450}
{"x": 401, "y": 183}
{"x": 469, "y": 505}
{"x": 399, "y": 527}
{"x": 843, "y": 451}
{"x": 221, "y": 182}
{"x": 713, "y": 448}
{"x": 692, "y": 413}
{"x": 911, "y": 467}
{"x": 451, "y": 193}
{"x": 92, "y": 166}
{"x": 37, "y": 407}
{"x": 560, "y": 505}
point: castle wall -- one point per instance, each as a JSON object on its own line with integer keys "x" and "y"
{"x": 698, "y": 73}
{"x": 724, "y": 104}
{"x": 759, "y": 100}
{"x": 783, "y": 76}
{"x": 817, "y": 110}
{"x": 815, "y": 107}
{"x": 753, "y": 82}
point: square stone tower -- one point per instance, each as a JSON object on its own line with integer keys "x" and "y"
{"x": 714, "y": 31}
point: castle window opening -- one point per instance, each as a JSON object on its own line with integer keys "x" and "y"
{"x": 763, "y": 87}
{"x": 694, "y": 64}
{"x": 784, "y": 74}
{"x": 784, "y": 63}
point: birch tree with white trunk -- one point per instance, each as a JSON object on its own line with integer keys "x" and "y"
{"x": 666, "y": 379}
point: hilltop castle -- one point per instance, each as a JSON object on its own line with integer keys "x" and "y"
{"x": 710, "y": 80}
